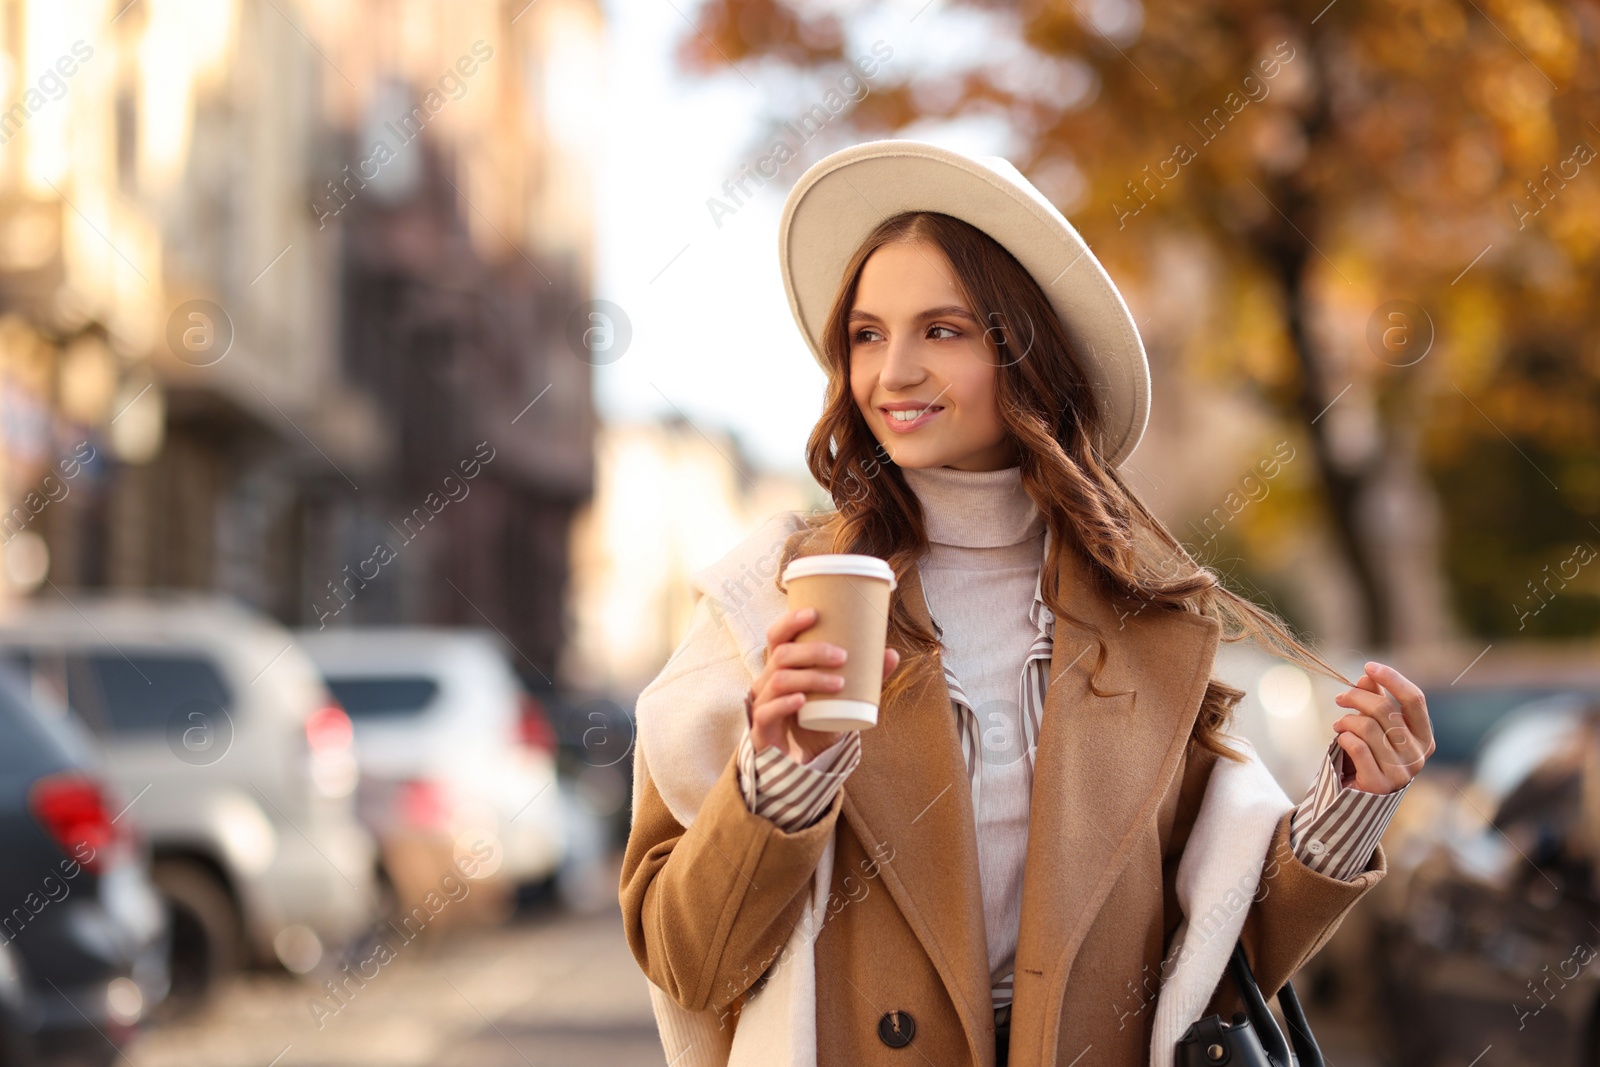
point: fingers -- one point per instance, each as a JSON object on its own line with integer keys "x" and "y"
{"x": 780, "y": 698}
{"x": 780, "y": 678}
{"x": 1393, "y": 751}
{"x": 801, "y": 680}
{"x": 794, "y": 669}
{"x": 1378, "y": 705}
{"x": 789, "y": 625}
{"x": 808, "y": 654}
{"x": 775, "y": 723}
{"x": 1369, "y": 775}
{"x": 1390, "y": 717}
{"x": 769, "y": 719}
{"x": 1404, "y": 689}
{"x": 1413, "y": 703}
{"x": 1392, "y": 747}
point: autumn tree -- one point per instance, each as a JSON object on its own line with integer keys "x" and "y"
{"x": 1401, "y": 202}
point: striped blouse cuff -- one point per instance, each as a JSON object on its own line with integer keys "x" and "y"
{"x": 794, "y": 795}
{"x": 1335, "y": 829}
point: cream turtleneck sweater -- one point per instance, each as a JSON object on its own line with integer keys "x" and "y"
{"x": 986, "y": 544}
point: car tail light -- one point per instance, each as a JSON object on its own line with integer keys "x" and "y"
{"x": 533, "y": 725}
{"x": 330, "y": 738}
{"x": 424, "y": 804}
{"x": 328, "y": 729}
{"x": 73, "y": 810}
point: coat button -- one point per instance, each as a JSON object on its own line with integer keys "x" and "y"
{"x": 897, "y": 1028}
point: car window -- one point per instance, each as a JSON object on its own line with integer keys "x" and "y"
{"x": 1462, "y": 718}
{"x": 138, "y": 693}
{"x": 391, "y": 696}
{"x": 27, "y": 746}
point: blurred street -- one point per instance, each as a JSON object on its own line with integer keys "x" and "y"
{"x": 547, "y": 988}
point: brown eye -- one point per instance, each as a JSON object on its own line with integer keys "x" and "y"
{"x": 949, "y": 329}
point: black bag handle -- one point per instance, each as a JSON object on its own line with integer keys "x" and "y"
{"x": 1305, "y": 1045}
{"x": 1306, "y": 1052}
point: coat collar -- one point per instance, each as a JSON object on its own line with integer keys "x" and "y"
{"x": 1103, "y": 765}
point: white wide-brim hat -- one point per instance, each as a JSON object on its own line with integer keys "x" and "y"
{"x": 840, "y": 199}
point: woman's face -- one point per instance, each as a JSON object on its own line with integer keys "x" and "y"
{"x": 916, "y": 347}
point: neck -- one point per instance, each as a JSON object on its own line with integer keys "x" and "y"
{"x": 974, "y": 509}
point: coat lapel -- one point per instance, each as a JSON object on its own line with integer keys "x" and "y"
{"x": 1103, "y": 765}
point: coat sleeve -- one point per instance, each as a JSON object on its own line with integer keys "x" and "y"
{"x": 1295, "y": 910}
{"x": 708, "y": 907}
{"x": 1300, "y": 911}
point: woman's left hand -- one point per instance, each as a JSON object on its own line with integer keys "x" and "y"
{"x": 1388, "y": 736}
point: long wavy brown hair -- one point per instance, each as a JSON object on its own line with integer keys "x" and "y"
{"x": 1051, "y": 413}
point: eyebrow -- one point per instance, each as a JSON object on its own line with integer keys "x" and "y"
{"x": 944, "y": 311}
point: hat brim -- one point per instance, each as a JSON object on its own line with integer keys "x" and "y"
{"x": 840, "y": 199}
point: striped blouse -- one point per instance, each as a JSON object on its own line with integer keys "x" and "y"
{"x": 1333, "y": 830}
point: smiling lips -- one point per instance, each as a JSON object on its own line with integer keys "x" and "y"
{"x": 905, "y": 416}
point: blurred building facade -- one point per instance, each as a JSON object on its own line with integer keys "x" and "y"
{"x": 283, "y": 302}
{"x": 698, "y": 495}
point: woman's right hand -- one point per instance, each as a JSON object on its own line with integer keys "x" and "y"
{"x": 794, "y": 668}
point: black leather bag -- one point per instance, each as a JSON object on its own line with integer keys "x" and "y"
{"x": 1252, "y": 1039}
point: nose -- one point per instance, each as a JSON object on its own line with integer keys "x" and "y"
{"x": 903, "y": 367}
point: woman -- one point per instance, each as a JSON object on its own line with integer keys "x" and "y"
{"x": 1047, "y": 848}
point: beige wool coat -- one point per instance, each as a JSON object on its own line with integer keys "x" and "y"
{"x": 1117, "y": 782}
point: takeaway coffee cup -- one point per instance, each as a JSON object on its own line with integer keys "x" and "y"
{"x": 851, "y": 595}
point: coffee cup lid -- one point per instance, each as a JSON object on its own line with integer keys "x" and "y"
{"x": 840, "y": 563}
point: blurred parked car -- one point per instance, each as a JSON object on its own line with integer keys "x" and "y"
{"x": 1288, "y": 713}
{"x": 1497, "y": 937}
{"x": 1467, "y": 696}
{"x": 16, "y": 1026}
{"x": 239, "y": 766}
{"x": 456, "y": 758}
{"x": 83, "y": 938}
{"x": 595, "y": 739}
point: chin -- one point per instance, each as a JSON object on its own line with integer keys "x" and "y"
{"x": 923, "y": 458}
